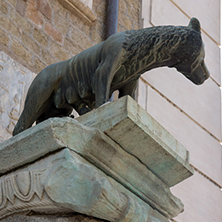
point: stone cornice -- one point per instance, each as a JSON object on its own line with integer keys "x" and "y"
{"x": 80, "y": 8}
{"x": 115, "y": 163}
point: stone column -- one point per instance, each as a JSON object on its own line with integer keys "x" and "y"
{"x": 115, "y": 163}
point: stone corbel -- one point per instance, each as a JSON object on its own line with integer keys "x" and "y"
{"x": 115, "y": 163}
{"x": 77, "y": 6}
{"x": 65, "y": 181}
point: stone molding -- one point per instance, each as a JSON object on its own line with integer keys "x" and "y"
{"x": 141, "y": 135}
{"x": 57, "y": 133}
{"x": 65, "y": 182}
{"x": 79, "y": 168}
{"x": 80, "y": 8}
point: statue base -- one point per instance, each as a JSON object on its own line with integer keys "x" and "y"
{"x": 115, "y": 163}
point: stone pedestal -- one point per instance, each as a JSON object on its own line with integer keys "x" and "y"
{"x": 115, "y": 163}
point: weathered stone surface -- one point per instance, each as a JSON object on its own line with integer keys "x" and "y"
{"x": 14, "y": 82}
{"x": 199, "y": 142}
{"x": 51, "y": 218}
{"x": 81, "y": 8}
{"x": 65, "y": 182}
{"x": 142, "y": 136}
{"x": 97, "y": 148}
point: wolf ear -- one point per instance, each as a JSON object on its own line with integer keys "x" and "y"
{"x": 194, "y": 24}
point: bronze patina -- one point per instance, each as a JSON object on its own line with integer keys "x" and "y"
{"x": 87, "y": 80}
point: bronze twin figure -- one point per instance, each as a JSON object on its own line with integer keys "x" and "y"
{"x": 87, "y": 80}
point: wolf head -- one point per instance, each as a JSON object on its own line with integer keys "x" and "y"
{"x": 194, "y": 67}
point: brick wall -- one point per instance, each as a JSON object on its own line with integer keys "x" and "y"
{"x": 37, "y": 33}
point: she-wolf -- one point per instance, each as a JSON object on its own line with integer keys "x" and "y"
{"x": 87, "y": 80}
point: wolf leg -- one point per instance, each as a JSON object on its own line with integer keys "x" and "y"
{"x": 28, "y": 117}
{"x": 81, "y": 107}
{"x": 54, "y": 112}
{"x": 129, "y": 89}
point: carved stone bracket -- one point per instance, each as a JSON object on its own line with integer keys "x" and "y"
{"x": 108, "y": 172}
{"x": 68, "y": 183}
{"x": 80, "y": 8}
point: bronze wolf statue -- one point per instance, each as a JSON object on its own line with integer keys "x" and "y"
{"x": 87, "y": 80}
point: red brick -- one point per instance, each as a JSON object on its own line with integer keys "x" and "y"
{"x": 21, "y": 7}
{"x": 21, "y": 51}
{"x": 12, "y": 2}
{"x": 38, "y": 64}
{"x": 30, "y": 44}
{"x": 47, "y": 57}
{"x": 54, "y": 33}
{"x": 44, "y": 8}
{"x": 9, "y": 26}
{"x": 72, "y": 47}
{"x": 33, "y": 2}
{"x": 61, "y": 24}
{"x": 59, "y": 52}
{"x": 4, "y": 21}
{"x": 4, "y": 39}
{"x": 40, "y": 37}
{"x": 21, "y": 22}
{"x": 34, "y": 15}
{"x": 3, "y": 7}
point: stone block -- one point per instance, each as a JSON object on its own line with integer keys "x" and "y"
{"x": 79, "y": 37}
{"x": 31, "y": 44}
{"x": 123, "y": 7}
{"x": 53, "y": 32}
{"x": 63, "y": 166}
{"x": 60, "y": 25}
{"x": 4, "y": 21}
{"x": 142, "y": 94}
{"x": 197, "y": 140}
{"x": 4, "y": 39}
{"x": 127, "y": 21}
{"x": 12, "y": 2}
{"x": 21, "y": 51}
{"x": 21, "y": 7}
{"x": 57, "y": 133}
{"x": 59, "y": 52}
{"x": 142, "y": 136}
{"x": 9, "y": 26}
{"x": 34, "y": 15}
{"x": 44, "y": 8}
{"x": 21, "y": 22}
{"x": 4, "y": 7}
{"x": 66, "y": 182}
{"x": 40, "y": 37}
{"x": 38, "y": 64}
{"x": 14, "y": 83}
{"x": 47, "y": 57}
